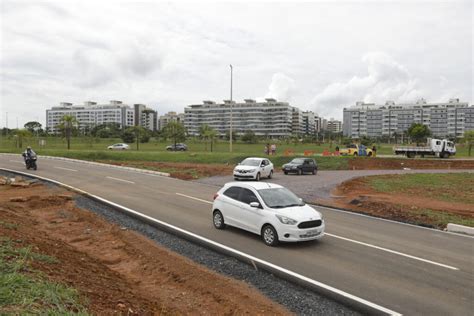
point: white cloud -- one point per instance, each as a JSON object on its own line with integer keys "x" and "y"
{"x": 169, "y": 55}
{"x": 281, "y": 88}
{"x": 386, "y": 79}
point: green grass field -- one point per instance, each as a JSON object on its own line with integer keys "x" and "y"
{"x": 25, "y": 291}
{"x": 450, "y": 187}
{"x": 199, "y": 152}
{"x": 453, "y": 188}
{"x": 195, "y": 146}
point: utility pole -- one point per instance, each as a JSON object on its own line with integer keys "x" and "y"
{"x": 230, "y": 132}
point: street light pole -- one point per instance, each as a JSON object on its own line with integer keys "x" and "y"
{"x": 230, "y": 132}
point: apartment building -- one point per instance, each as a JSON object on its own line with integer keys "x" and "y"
{"x": 445, "y": 119}
{"x": 91, "y": 114}
{"x": 334, "y": 126}
{"x": 270, "y": 118}
{"x": 311, "y": 123}
{"x": 170, "y": 117}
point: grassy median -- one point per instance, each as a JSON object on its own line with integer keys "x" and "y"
{"x": 431, "y": 199}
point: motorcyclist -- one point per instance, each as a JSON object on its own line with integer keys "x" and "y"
{"x": 29, "y": 155}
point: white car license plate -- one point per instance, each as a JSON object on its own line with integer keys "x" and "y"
{"x": 311, "y": 233}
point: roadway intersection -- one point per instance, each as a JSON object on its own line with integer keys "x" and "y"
{"x": 407, "y": 269}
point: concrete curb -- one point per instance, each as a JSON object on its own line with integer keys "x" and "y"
{"x": 357, "y": 303}
{"x": 158, "y": 173}
{"x": 455, "y": 228}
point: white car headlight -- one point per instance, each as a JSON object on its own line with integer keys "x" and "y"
{"x": 286, "y": 220}
{"x": 251, "y": 170}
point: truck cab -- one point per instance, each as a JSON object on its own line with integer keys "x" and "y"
{"x": 442, "y": 147}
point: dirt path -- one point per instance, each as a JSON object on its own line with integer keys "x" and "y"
{"x": 117, "y": 270}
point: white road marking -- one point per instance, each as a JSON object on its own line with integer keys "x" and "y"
{"x": 393, "y": 251}
{"x": 122, "y": 180}
{"x": 390, "y": 221}
{"x": 357, "y": 242}
{"x": 66, "y": 169}
{"x": 22, "y": 162}
{"x": 193, "y": 198}
{"x": 226, "y": 248}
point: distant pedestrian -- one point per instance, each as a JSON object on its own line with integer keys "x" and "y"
{"x": 273, "y": 149}
{"x": 374, "y": 151}
{"x": 337, "y": 148}
{"x": 267, "y": 149}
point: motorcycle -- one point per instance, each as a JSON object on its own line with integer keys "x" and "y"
{"x": 30, "y": 161}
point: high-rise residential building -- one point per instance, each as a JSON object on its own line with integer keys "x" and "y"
{"x": 170, "y": 117}
{"x": 145, "y": 117}
{"x": 297, "y": 121}
{"x": 310, "y": 123}
{"x": 91, "y": 114}
{"x": 445, "y": 119}
{"x": 334, "y": 126}
{"x": 270, "y": 118}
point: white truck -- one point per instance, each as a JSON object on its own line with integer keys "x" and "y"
{"x": 441, "y": 148}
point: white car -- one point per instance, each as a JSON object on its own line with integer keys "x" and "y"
{"x": 254, "y": 169}
{"x": 119, "y": 146}
{"x": 266, "y": 209}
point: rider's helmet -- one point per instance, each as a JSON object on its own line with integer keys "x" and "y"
{"x": 28, "y": 148}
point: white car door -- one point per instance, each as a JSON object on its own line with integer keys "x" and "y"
{"x": 230, "y": 208}
{"x": 251, "y": 217}
{"x": 268, "y": 167}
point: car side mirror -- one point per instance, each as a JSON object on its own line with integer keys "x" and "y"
{"x": 301, "y": 200}
{"x": 254, "y": 204}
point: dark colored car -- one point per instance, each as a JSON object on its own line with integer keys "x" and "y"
{"x": 177, "y": 147}
{"x": 300, "y": 166}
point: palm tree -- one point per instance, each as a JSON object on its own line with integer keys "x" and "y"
{"x": 20, "y": 135}
{"x": 203, "y": 133}
{"x": 68, "y": 123}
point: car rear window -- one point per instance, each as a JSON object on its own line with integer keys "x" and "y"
{"x": 232, "y": 192}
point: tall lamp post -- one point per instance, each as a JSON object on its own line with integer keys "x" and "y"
{"x": 230, "y": 132}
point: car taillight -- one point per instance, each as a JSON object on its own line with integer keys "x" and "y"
{"x": 215, "y": 196}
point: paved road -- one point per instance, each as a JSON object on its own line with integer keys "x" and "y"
{"x": 313, "y": 188}
{"x": 407, "y": 269}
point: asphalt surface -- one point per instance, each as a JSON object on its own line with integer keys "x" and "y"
{"x": 318, "y": 187}
{"x": 408, "y": 269}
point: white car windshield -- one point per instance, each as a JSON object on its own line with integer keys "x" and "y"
{"x": 251, "y": 162}
{"x": 279, "y": 198}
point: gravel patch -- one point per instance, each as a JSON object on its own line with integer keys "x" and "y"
{"x": 297, "y": 299}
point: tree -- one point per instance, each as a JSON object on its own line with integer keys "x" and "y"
{"x": 469, "y": 139}
{"x": 174, "y": 131}
{"x": 419, "y": 132}
{"x": 207, "y": 133}
{"x": 249, "y": 137}
{"x": 20, "y": 135}
{"x": 128, "y": 136}
{"x": 234, "y": 135}
{"x": 68, "y": 124}
{"x": 139, "y": 135}
{"x": 33, "y": 126}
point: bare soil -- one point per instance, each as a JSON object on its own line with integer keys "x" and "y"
{"x": 117, "y": 270}
{"x": 358, "y": 196}
{"x": 184, "y": 171}
{"x": 193, "y": 171}
{"x": 400, "y": 163}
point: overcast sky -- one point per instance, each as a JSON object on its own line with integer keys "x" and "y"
{"x": 319, "y": 56}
